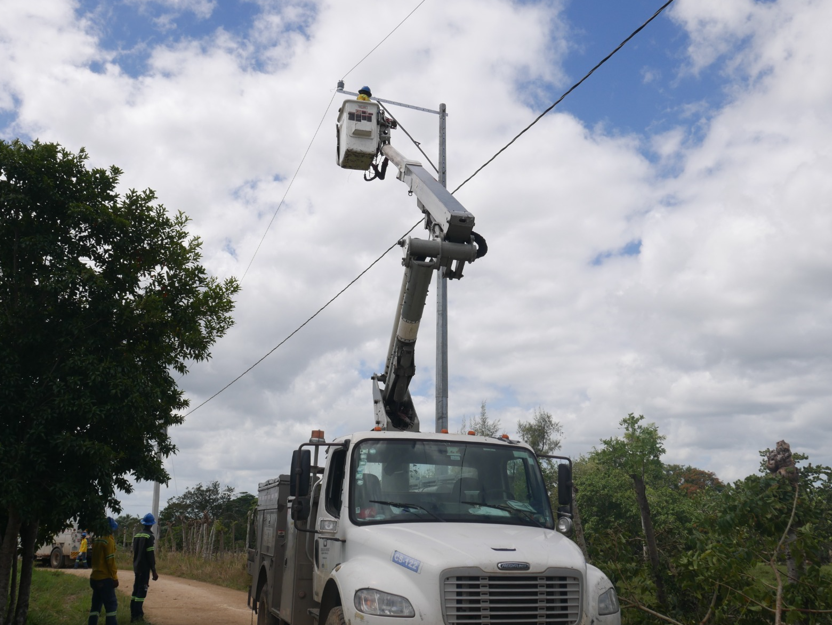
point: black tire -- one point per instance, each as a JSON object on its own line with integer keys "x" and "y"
{"x": 264, "y": 615}
{"x": 56, "y": 558}
{"x": 336, "y": 616}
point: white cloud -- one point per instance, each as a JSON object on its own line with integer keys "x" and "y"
{"x": 718, "y": 330}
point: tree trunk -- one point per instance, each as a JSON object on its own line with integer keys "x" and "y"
{"x": 650, "y": 537}
{"x": 576, "y": 521}
{"x": 13, "y": 593}
{"x": 8, "y": 551}
{"x": 28, "y": 538}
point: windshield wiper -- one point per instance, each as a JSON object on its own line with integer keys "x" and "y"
{"x": 406, "y": 507}
{"x": 524, "y": 513}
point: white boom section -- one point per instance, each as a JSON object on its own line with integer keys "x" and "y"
{"x": 446, "y": 212}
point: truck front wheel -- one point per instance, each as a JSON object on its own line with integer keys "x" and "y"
{"x": 56, "y": 558}
{"x": 264, "y": 615}
{"x": 336, "y": 616}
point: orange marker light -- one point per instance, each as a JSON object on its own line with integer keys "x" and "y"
{"x": 471, "y": 433}
{"x": 377, "y": 429}
{"x": 444, "y": 431}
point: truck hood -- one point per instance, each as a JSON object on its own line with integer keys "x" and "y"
{"x": 439, "y": 546}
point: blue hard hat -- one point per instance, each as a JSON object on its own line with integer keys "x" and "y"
{"x": 148, "y": 519}
{"x": 83, "y": 534}
{"x": 112, "y": 522}
{"x": 365, "y": 89}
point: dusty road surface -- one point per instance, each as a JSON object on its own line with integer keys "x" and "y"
{"x": 177, "y": 601}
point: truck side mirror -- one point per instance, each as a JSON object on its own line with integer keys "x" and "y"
{"x": 300, "y": 509}
{"x": 299, "y": 476}
{"x": 564, "y": 485}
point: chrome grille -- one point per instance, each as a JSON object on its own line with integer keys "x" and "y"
{"x": 543, "y": 599}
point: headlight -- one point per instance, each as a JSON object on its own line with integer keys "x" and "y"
{"x": 607, "y": 602}
{"x": 564, "y": 525}
{"x": 371, "y": 601}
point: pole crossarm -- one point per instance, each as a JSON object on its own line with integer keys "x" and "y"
{"x": 393, "y": 102}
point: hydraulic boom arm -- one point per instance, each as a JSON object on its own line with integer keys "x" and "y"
{"x": 363, "y": 135}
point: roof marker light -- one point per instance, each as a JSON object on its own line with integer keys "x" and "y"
{"x": 471, "y": 433}
{"x": 444, "y": 431}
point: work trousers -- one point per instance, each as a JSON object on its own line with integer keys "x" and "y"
{"x": 140, "y": 587}
{"x": 103, "y": 594}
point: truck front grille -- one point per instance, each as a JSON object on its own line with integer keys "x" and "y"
{"x": 543, "y": 599}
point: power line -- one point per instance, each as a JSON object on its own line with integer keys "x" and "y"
{"x": 354, "y": 280}
{"x": 571, "y": 89}
{"x": 291, "y": 182}
{"x": 309, "y": 147}
{"x": 383, "y": 40}
{"x": 409, "y": 136}
{"x": 300, "y": 327}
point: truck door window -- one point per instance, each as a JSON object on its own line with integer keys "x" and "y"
{"x": 335, "y": 482}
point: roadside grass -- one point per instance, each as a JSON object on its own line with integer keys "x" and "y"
{"x": 226, "y": 569}
{"x": 61, "y": 599}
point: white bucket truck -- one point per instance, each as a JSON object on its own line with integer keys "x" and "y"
{"x": 397, "y": 526}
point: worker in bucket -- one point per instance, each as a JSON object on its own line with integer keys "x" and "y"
{"x": 364, "y": 94}
{"x": 144, "y": 564}
{"x": 81, "y": 560}
{"x": 104, "y": 576}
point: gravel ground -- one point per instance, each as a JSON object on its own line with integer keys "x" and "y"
{"x": 177, "y": 601}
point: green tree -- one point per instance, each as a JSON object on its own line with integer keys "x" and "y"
{"x": 198, "y": 501}
{"x": 482, "y": 425}
{"x": 542, "y": 433}
{"x": 210, "y": 503}
{"x": 102, "y": 299}
{"x": 638, "y": 454}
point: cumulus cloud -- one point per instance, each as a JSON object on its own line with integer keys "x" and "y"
{"x": 685, "y": 276}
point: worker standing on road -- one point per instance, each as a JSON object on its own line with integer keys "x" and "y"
{"x": 144, "y": 563}
{"x": 104, "y": 577}
{"x": 82, "y": 552}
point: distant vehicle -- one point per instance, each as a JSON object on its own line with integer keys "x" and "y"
{"x": 62, "y": 549}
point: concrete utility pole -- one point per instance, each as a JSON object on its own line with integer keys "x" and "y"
{"x": 442, "y": 302}
{"x": 155, "y": 510}
{"x": 442, "y": 280}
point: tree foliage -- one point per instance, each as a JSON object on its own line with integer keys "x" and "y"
{"x": 483, "y": 425}
{"x": 723, "y": 548}
{"x": 102, "y": 299}
{"x": 206, "y": 506}
{"x": 542, "y": 433}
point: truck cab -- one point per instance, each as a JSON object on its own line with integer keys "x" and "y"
{"x": 439, "y": 528}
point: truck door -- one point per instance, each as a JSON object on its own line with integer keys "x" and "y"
{"x": 328, "y": 545}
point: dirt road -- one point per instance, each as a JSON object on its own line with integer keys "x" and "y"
{"x": 177, "y": 601}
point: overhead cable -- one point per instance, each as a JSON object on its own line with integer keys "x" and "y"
{"x": 354, "y": 280}
{"x": 291, "y": 182}
{"x": 571, "y": 89}
{"x": 383, "y": 40}
{"x": 300, "y": 327}
{"x": 409, "y": 136}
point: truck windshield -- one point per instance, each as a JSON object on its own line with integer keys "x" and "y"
{"x": 407, "y": 481}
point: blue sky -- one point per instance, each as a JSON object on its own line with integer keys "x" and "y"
{"x": 658, "y": 243}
